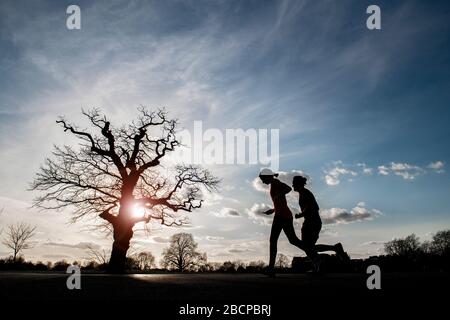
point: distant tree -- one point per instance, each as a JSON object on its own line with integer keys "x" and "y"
{"x": 18, "y": 238}
{"x": 209, "y": 267}
{"x": 240, "y": 265}
{"x": 406, "y": 247}
{"x": 61, "y": 265}
{"x": 282, "y": 261}
{"x": 182, "y": 253}
{"x": 232, "y": 266}
{"x": 440, "y": 244}
{"x": 145, "y": 261}
{"x": 426, "y": 247}
{"x": 40, "y": 266}
{"x": 131, "y": 263}
{"x": 20, "y": 260}
{"x": 228, "y": 266}
{"x": 257, "y": 264}
{"x": 116, "y": 172}
{"x": 99, "y": 256}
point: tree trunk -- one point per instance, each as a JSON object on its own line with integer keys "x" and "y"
{"x": 123, "y": 232}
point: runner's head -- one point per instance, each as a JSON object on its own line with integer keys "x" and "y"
{"x": 266, "y": 175}
{"x": 299, "y": 182}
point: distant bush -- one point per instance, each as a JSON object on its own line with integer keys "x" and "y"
{"x": 60, "y": 265}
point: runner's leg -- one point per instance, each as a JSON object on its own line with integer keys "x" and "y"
{"x": 277, "y": 226}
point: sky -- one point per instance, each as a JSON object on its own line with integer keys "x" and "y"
{"x": 364, "y": 113}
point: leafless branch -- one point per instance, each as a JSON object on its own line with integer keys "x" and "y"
{"x": 118, "y": 167}
{"x": 18, "y": 238}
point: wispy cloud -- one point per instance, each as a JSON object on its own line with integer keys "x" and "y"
{"x": 160, "y": 239}
{"x": 214, "y": 238}
{"x": 373, "y": 243}
{"x": 338, "y": 170}
{"x": 404, "y": 170}
{"x": 80, "y": 245}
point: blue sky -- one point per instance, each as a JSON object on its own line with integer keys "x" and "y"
{"x": 345, "y": 99}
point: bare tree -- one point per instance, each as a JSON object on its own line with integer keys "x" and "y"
{"x": 118, "y": 169}
{"x": 440, "y": 245}
{"x": 99, "y": 256}
{"x": 232, "y": 266}
{"x": 145, "y": 260}
{"x": 18, "y": 238}
{"x": 182, "y": 253}
{"x": 406, "y": 247}
{"x": 257, "y": 264}
{"x": 282, "y": 261}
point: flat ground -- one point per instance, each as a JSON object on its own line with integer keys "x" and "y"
{"x": 167, "y": 294}
{"x": 216, "y": 287}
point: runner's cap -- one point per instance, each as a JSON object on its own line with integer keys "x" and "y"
{"x": 267, "y": 172}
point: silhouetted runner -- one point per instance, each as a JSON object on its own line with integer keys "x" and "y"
{"x": 312, "y": 223}
{"x": 282, "y": 220}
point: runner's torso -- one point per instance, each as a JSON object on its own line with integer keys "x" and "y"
{"x": 309, "y": 207}
{"x": 278, "y": 191}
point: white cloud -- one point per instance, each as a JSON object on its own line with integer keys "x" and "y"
{"x": 256, "y": 213}
{"x": 246, "y": 246}
{"x": 228, "y": 187}
{"x": 80, "y": 245}
{"x": 383, "y": 170}
{"x": 437, "y": 166}
{"x": 57, "y": 256}
{"x": 331, "y": 181}
{"x": 259, "y": 186}
{"x": 160, "y": 239}
{"x": 214, "y": 238}
{"x": 372, "y": 243}
{"x": 212, "y": 199}
{"x": 325, "y": 231}
{"x": 227, "y": 212}
{"x": 343, "y": 216}
{"x": 365, "y": 168}
{"x": 334, "y": 174}
{"x": 407, "y": 171}
{"x": 404, "y": 170}
{"x": 239, "y": 250}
